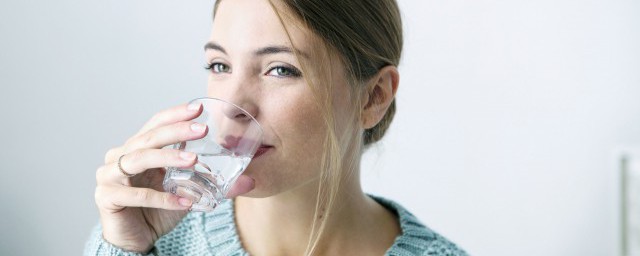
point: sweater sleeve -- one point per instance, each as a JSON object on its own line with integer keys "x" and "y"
{"x": 97, "y": 246}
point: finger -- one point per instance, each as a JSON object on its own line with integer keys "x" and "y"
{"x": 172, "y": 115}
{"x": 158, "y": 138}
{"x": 118, "y": 197}
{"x": 143, "y": 159}
{"x": 167, "y": 135}
{"x": 112, "y": 155}
{"x": 243, "y": 185}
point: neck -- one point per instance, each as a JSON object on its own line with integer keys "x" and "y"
{"x": 282, "y": 224}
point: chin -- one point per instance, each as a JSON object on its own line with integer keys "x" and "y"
{"x": 255, "y": 194}
{"x": 259, "y": 192}
{"x": 263, "y": 189}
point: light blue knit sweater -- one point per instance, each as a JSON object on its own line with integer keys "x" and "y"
{"x": 214, "y": 233}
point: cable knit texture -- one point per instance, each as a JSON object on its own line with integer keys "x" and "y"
{"x": 214, "y": 233}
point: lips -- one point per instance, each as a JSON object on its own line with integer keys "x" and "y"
{"x": 230, "y": 142}
{"x": 261, "y": 150}
{"x": 244, "y": 145}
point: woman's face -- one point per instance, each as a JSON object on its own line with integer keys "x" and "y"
{"x": 252, "y": 64}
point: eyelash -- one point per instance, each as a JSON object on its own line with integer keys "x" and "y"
{"x": 211, "y": 66}
{"x": 294, "y": 72}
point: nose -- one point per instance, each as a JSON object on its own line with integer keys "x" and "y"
{"x": 244, "y": 113}
{"x": 241, "y": 90}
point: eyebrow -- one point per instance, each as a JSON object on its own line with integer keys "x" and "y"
{"x": 214, "y": 46}
{"x": 272, "y": 49}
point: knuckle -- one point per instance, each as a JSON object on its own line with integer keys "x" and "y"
{"x": 96, "y": 194}
{"x": 155, "y": 117}
{"x": 109, "y": 156}
{"x": 136, "y": 156}
{"x": 171, "y": 155}
{"x": 166, "y": 199}
{"x": 143, "y": 195}
{"x": 149, "y": 137}
{"x": 100, "y": 173}
{"x": 129, "y": 140}
{"x": 99, "y": 195}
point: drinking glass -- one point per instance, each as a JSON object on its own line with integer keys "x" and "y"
{"x": 232, "y": 138}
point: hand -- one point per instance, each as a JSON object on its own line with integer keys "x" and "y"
{"x": 135, "y": 211}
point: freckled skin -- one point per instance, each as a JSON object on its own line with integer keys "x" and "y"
{"x": 284, "y": 106}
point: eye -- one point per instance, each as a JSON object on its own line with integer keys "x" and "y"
{"x": 282, "y": 71}
{"x": 218, "y": 67}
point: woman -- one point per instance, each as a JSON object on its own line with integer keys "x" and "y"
{"x": 320, "y": 77}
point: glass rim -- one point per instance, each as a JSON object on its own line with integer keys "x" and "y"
{"x": 244, "y": 111}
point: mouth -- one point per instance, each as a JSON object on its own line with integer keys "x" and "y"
{"x": 262, "y": 150}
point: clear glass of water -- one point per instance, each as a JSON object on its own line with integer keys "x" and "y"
{"x": 233, "y": 136}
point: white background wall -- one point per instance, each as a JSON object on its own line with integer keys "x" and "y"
{"x": 509, "y": 115}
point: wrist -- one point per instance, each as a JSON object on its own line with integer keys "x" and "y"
{"x": 129, "y": 246}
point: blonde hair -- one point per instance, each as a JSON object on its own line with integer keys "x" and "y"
{"x": 364, "y": 36}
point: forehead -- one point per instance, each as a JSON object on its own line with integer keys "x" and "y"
{"x": 250, "y": 24}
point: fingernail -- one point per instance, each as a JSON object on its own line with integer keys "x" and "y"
{"x": 187, "y": 155}
{"x": 193, "y": 106}
{"x": 184, "y": 202}
{"x": 198, "y": 127}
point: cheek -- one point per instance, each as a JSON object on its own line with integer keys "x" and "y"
{"x": 301, "y": 130}
{"x": 345, "y": 109}
{"x": 297, "y": 128}
{"x": 300, "y": 125}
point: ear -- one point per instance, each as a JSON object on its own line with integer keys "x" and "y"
{"x": 378, "y": 95}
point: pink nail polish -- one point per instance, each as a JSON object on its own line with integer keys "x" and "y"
{"x": 193, "y": 106}
{"x": 187, "y": 155}
{"x": 197, "y": 127}
{"x": 184, "y": 202}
